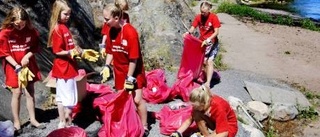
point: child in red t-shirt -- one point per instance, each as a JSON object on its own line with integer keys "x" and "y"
{"x": 210, "y": 111}
{"x": 123, "y": 48}
{"x": 209, "y": 25}
{"x": 64, "y": 67}
{"x": 123, "y": 5}
{"x": 19, "y": 41}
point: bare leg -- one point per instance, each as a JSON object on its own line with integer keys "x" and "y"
{"x": 31, "y": 105}
{"x": 15, "y": 106}
{"x": 68, "y": 117}
{"x": 210, "y": 70}
{"x": 141, "y": 106}
{"x": 62, "y": 119}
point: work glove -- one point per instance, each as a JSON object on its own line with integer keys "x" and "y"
{"x": 24, "y": 76}
{"x": 90, "y": 55}
{"x": 105, "y": 73}
{"x": 129, "y": 83}
{"x": 176, "y": 134}
{"x": 103, "y": 50}
{"x": 206, "y": 42}
{"x": 74, "y": 52}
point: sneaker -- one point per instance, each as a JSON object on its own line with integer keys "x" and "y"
{"x": 61, "y": 125}
{"x": 146, "y": 132}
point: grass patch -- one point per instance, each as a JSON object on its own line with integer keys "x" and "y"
{"x": 246, "y": 11}
{"x": 218, "y": 60}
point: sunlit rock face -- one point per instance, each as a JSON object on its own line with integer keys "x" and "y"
{"x": 160, "y": 24}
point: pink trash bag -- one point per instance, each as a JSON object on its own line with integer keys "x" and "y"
{"x": 120, "y": 117}
{"x": 172, "y": 117}
{"x": 157, "y": 91}
{"x": 183, "y": 86}
{"x": 192, "y": 57}
{"x": 68, "y": 132}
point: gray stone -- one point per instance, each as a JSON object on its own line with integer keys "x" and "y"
{"x": 283, "y": 112}
{"x": 268, "y": 94}
{"x": 259, "y": 109}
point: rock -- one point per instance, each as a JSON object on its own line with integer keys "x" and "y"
{"x": 259, "y": 109}
{"x": 283, "y": 112}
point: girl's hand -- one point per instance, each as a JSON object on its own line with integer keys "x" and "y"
{"x": 25, "y": 61}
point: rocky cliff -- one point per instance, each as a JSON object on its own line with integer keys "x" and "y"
{"x": 160, "y": 24}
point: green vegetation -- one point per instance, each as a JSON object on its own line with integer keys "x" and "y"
{"x": 218, "y": 60}
{"x": 245, "y": 11}
{"x": 309, "y": 114}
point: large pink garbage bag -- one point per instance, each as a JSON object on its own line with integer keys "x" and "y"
{"x": 68, "y": 132}
{"x": 172, "y": 118}
{"x": 183, "y": 86}
{"x": 157, "y": 90}
{"x": 192, "y": 57}
{"x": 120, "y": 117}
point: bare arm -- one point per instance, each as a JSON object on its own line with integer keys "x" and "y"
{"x": 109, "y": 59}
{"x": 185, "y": 125}
{"x": 132, "y": 67}
{"x": 11, "y": 61}
{"x": 215, "y": 34}
{"x": 190, "y": 31}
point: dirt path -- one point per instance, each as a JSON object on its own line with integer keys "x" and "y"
{"x": 285, "y": 53}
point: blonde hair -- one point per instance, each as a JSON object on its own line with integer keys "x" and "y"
{"x": 206, "y": 4}
{"x": 114, "y": 10}
{"x": 16, "y": 13}
{"x": 57, "y": 8}
{"x": 122, "y": 4}
{"x": 200, "y": 96}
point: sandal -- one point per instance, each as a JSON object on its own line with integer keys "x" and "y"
{"x": 41, "y": 126}
{"x": 17, "y": 132}
{"x": 146, "y": 132}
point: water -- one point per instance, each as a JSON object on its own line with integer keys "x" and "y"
{"x": 308, "y": 8}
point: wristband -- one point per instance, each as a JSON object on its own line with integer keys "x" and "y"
{"x": 102, "y": 45}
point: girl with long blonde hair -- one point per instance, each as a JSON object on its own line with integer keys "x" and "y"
{"x": 210, "y": 112}
{"x": 64, "y": 67}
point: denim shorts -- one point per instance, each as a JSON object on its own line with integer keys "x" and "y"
{"x": 212, "y": 51}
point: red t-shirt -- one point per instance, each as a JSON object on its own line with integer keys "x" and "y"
{"x": 105, "y": 28}
{"x": 64, "y": 67}
{"x": 124, "y": 44}
{"x": 206, "y": 25}
{"x": 222, "y": 114}
{"x": 17, "y": 43}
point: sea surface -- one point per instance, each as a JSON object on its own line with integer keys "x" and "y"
{"x": 307, "y": 8}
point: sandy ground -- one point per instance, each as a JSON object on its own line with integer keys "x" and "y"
{"x": 289, "y": 54}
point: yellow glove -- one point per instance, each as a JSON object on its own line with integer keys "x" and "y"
{"x": 24, "y": 76}
{"x": 176, "y": 134}
{"x": 206, "y": 42}
{"x": 103, "y": 50}
{"x": 74, "y": 52}
{"x": 105, "y": 73}
{"x": 90, "y": 55}
{"x": 129, "y": 83}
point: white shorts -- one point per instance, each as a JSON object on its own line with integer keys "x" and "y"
{"x": 67, "y": 92}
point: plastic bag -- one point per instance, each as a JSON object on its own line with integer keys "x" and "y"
{"x": 68, "y": 132}
{"x": 6, "y": 129}
{"x": 171, "y": 119}
{"x": 192, "y": 57}
{"x": 157, "y": 91}
{"x": 120, "y": 117}
{"x": 183, "y": 86}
